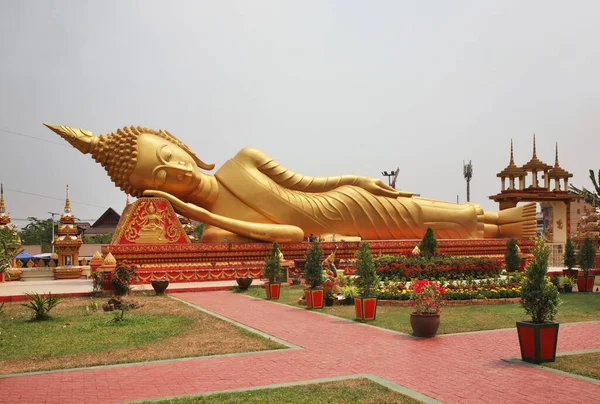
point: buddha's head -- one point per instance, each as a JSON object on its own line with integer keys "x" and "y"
{"x": 139, "y": 159}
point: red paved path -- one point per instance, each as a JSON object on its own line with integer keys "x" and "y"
{"x": 453, "y": 369}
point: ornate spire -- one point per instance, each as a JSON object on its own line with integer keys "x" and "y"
{"x": 556, "y": 156}
{"x": 512, "y": 159}
{"x": 67, "y": 202}
{"x": 2, "y": 207}
{"x": 534, "y": 153}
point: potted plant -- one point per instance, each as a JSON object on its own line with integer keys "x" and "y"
{"x": 272, "y": 270}
{"x": 329, "y": 291}
{"x": 244, "y": 282}
{"x": 160, "y": 285}
{"x": 566, "y": 283}
{"x": 365, "y": 305}
{"x": 349, "y": 292}
{"x": 512, "y": 258}
{"x": 313, "y": 275}
{"x": 540, "y": 299}
{"x": 587, "y": 261}
{"x": 426, "y": 299}
{"x": 570, "y": 260}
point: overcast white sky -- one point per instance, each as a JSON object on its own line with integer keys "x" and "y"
{"x": 324, "y": 87}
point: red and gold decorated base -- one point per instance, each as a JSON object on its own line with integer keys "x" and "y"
{"x": 272, "y": 290}
{"x": 168, "y": 253}
{"x": 314, "y": 298}
{"x": 537, "y": 341}
{"x": 585, "y": 283}
{"x": 366, "y": 308}
{"x": 67, "y": 272}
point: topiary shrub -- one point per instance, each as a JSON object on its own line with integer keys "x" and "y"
{"x": 272, "y": 268}
{"x": 539, "y": 296}
{"x": 512, "y": 258}
{"x": 570, "y": 260}
{"x": 313, "y": 269}
{"x": 587, "y": 256}
{"x": 367, "y": 279}
{"x": 428, "y": 245}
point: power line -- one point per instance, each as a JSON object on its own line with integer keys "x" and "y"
{"x": 56, "y": 199}
{"x": 31, "y": 137}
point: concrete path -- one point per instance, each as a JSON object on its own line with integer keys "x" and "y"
{"x": 459, "y": 368}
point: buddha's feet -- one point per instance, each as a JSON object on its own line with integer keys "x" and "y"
{"x": 518, "y": 222}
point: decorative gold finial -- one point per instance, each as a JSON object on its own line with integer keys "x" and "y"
{"x": 556, "y": 156}
{"x": 67, "y": 202}
{"x": 2, "y": 207}
{"x": 534, "y": 152}
{"x": 512, "y": 160}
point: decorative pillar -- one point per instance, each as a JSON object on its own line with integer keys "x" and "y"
{"x": 108, "y": 267}
{"x": 96, "y": 262}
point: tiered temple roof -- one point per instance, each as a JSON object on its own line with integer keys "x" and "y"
{"x": 511, "y": 170}
{"x": 557, "y": 172}
{"x": 535, "y": 164}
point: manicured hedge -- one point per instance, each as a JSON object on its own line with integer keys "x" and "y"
{"x": 436, "y": 267}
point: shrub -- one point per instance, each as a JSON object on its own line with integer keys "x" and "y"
{"x": 512, "y": 258}
{"x": 122, "y": 278}
{"x": 272, "y": 267}
{"x": 587, "y": 255}
{"x": 539, "y": 296}
{"x": 570, "y": 260}
{"x": 407, "y": 268}
{"x": 367, "y": 279}
{"x": 98, "y": 281}
{"x": 313, "y": 270}
{"x": 40, "y": 305}
{"x": 428, "y": 245}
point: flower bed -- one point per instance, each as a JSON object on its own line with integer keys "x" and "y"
{"x": 437, "y": 267}
{"x": 458, "y": 290}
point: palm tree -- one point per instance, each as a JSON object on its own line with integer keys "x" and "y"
{"x": 591, "y": 197}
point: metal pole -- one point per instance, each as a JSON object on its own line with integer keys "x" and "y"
{"x": 52, "y": 241}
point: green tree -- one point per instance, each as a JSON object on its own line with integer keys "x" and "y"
{"x": 272, "y": 268}
{"x": 587, "y": 255}
{"x": 570, "y": 260}
{"x": 512, "y": 258}
{"x": 8, "y": 247}
{"x": 38, "y": 232}
{"x": 313, "y": 268}
{"x": 367, "y": 279}
{"x": 98, "y": 239}
{"x": 539, "y": 296}
{"x": 428, "y": 245}
{"x": 591, "y": 197}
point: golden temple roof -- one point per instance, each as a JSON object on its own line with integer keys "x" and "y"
{"x": 97, "y": 256}
{"x": 535, "y": 163}
{"x": 4, "y": 217}
{"x": 511, "y": 170}
{"x": 557, "y": 171}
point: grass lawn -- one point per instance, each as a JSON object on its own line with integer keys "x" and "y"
{"x": 345, "y": 391}
{"x": 162, "y": 328}
{"x": 584, "y": 364}
{"x": 575, "y": 307}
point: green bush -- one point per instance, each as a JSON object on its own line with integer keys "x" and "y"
{"x": 570, "y": 260}
{"x": 272, "y": 268}
{"x": 436, "y": 268}
{"x": 539, "y": 296}
{"x": 511, "y": 258}
{"x": 367, "y": 279}
{"x": 587, "y": 255}
{"x": 122, "y": 278}
{"x": 313, "y": 268}
{"x": 428, "y": 245}
{"x": 40, "y": 305}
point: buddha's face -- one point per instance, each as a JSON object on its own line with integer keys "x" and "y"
{"x": 164, "y": 166}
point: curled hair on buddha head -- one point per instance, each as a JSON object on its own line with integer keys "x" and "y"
{"x": 117, "y": 151}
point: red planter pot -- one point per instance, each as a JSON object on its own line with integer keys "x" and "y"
{"x": 424, "y": 325}
{"x": 585, "y": 283}
{"x": 366, "y": 308}
{"x": 537, "y": 341}
{"x": 272, "y": 290}
{"x": 571, "y": 274}
{"x": 314, "y": 298}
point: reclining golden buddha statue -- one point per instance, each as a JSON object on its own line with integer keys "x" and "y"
{"x": 252, "y": 197}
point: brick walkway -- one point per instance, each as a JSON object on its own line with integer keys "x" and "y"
{"x": 453, "y": 369}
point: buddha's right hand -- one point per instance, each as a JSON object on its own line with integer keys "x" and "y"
{"x": 378, "y": 187}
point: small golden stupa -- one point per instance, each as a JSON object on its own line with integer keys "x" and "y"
{"x": 67, "y": 243}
